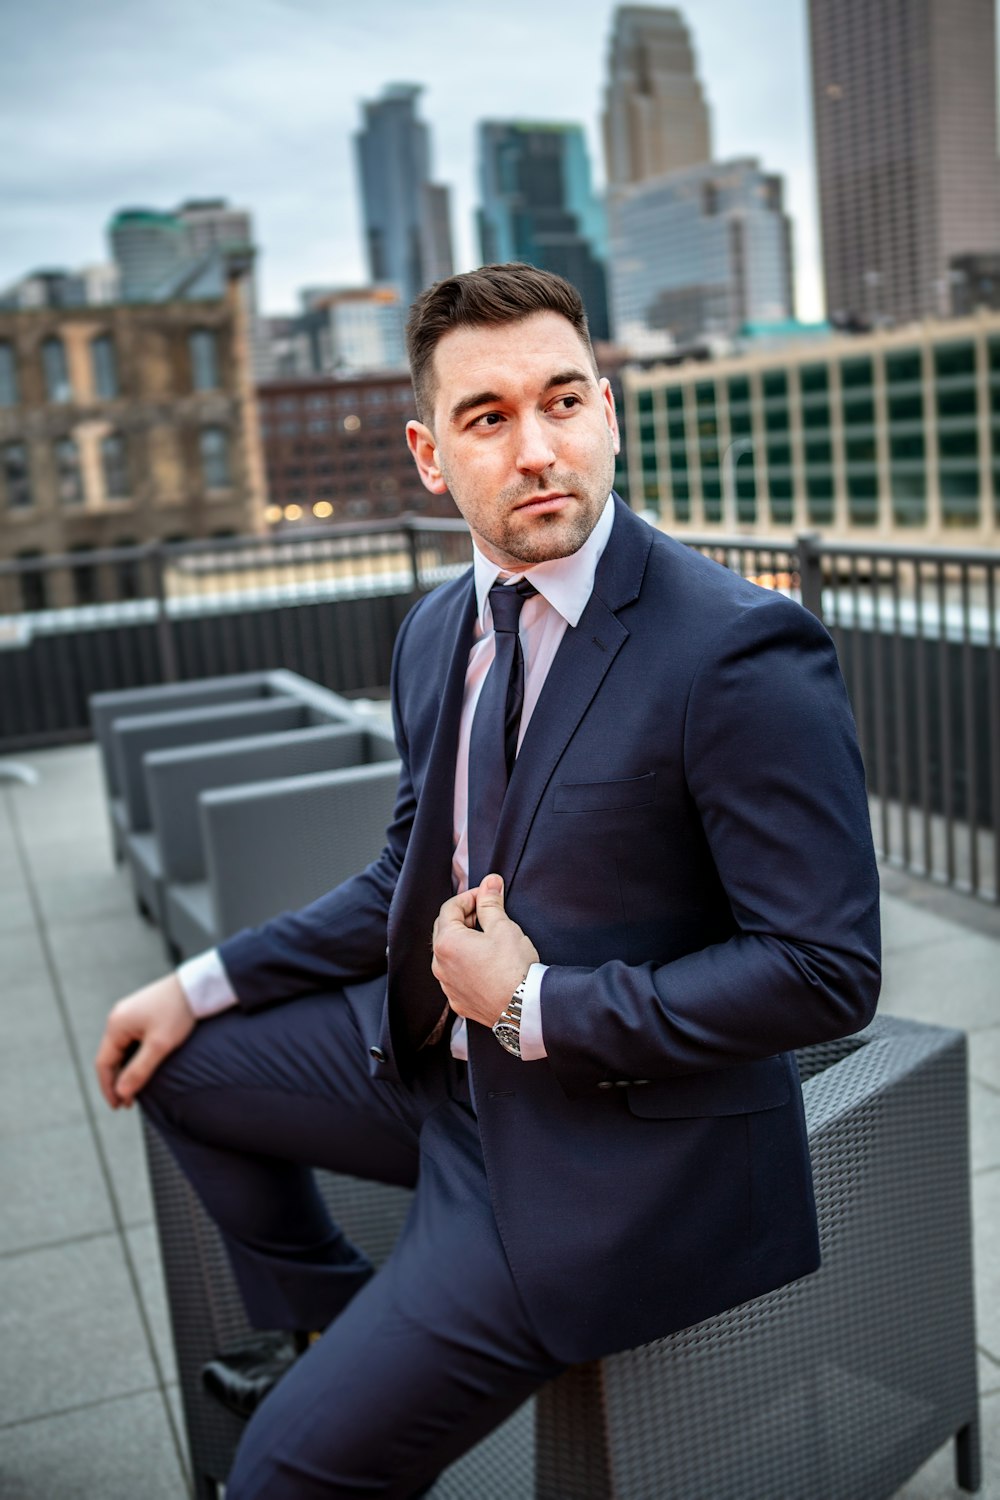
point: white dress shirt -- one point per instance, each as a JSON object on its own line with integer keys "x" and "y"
{"x": 564, "y": 586}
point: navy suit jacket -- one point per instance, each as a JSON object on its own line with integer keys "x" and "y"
{"x": 686, "y": 840}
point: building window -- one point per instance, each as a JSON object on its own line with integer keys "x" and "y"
{"x": 34, "y": 582}
{"x": 69, "y": 479}
{"x": 8, "y": 375}
{"x": 677, "y": 443}
{"x": 16, "y": 478}
{"x": 57, "y": 387}
{"x": 214, "y": 446}
{"x": 814, "y": 386}
{"x": 104, "y": 367}
{"x": 84, "y": 577}
{"x": 708, "y": 442}
{"x": 128, "y": 577}
{"x": 860, "y": 453}
{"x": 114, "y": 467}
{"x": 204, "y": 360}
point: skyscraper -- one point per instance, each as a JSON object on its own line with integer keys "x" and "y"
{"x": 904, "y": 102}
{"x": 149, "y": 247}
{"x": 699, "y": 252}
{"x": 538, "y": 206}
{"x": 211, "y": 224}
{"x": 655, "y": 115}
{"x": 406, "y": 215}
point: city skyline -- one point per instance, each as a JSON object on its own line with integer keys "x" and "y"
{"x": 136, "y": 104}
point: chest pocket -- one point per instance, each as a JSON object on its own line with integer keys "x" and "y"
{"x": 599, "y": 796}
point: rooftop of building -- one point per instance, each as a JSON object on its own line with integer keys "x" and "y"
{"x": 88, "y": 1384}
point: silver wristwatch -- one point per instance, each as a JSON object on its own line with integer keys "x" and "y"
{"x": 507, "y": 1026}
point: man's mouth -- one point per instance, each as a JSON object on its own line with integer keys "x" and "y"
{"x": 543, "y": 504}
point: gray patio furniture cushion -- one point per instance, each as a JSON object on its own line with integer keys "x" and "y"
{"x": 277, "y": 845}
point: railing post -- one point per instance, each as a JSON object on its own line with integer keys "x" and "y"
{"x": 164, "y": 634}
{"x": 808, "y": 545}
{"x": 412, "y": 536}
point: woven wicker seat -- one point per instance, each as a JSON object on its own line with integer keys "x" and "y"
{"x": 837, "y": 1387}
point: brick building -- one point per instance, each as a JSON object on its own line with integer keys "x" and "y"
{"x": 128, "y": 423}
{"x": 336, "y": 450}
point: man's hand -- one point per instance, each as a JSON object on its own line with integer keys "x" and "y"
{"x": 479, "y": 971}
{"x": 159, "y": 1018}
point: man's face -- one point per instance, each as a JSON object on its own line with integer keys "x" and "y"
{"x": 524, "y": 436}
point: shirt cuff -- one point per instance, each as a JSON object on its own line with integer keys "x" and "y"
{"x": 206, "y": 984}
{"x": 532, "y": 1042}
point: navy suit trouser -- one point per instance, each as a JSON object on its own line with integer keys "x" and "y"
{"x": 421, "y": 1358}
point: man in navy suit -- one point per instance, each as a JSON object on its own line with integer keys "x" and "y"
{"x": 582, "y": 1059}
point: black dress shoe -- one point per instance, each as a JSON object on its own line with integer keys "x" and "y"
{"x": 239, "y": 1378}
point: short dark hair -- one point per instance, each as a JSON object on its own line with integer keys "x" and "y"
{"x": 475, "y": 299}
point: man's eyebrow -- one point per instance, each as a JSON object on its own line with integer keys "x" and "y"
{"x": 467, "y": 403}
{"x": 568, "y": 377}
{"x": 491, "y": 398}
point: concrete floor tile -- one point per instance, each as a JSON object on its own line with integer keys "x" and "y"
{"x": 953, "y": 983}
{"x": 22, "y": 961}
{"x": 984, "y": 1112}
{"x": 16, "y": 910}
{"x": 120, "y": 1135}
{"x": 986, "y": 1213}
{"x": 52, "y": 1188}
{"x": 936, "y": 1480}
{"x": 120, "y": 1450}
{"x": 68, "y": 895}
{"x": 144, "y": 1248}
{"x": 989, "y": 1376}
{"x": 906, "y": 926}
{"x": 984, "y": 1055}
{"x": 38, "y": 1083}
{"x": 70, "y": 1331}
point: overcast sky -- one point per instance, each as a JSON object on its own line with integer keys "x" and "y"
{"x": 112, "y": 103}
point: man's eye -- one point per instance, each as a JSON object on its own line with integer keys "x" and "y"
{"x": 568, "y": 403}
{"x": 488, "y": 419}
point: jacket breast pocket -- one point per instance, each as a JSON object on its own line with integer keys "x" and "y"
{"x": 742, "y": 1090}
{"x": 599, "y": 796}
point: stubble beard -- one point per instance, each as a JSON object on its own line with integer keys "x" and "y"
{"x": 541, "y": 538}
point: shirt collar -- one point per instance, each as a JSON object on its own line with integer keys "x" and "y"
{"x": 564, "y": 582}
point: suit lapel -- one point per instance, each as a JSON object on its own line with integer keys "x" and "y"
{"x": 425, "y": 879}
{"x": 584, "y": 657}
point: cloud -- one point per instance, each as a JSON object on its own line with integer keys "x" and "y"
{"x": 151, "y": 101}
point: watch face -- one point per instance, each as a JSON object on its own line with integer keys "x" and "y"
{"x": 508, "y": 1036}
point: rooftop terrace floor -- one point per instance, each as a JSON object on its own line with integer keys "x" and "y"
{"x": 88, "y": 1387}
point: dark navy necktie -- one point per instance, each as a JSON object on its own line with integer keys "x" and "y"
{"x": 493, "y": 740}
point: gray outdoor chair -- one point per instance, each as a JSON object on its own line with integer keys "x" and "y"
{"x": 133, "y": 738}
{"x": 837, "y": 1387}
{"x": 160, "y": 698}
{"x": 176, "y": 782}
{"x": 322, "y": 706}
{"x": 277, "y": 845}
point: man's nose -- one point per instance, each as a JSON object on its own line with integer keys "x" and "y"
{"x": 535, "y": 451}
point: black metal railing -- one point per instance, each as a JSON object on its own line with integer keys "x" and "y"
{"x": 916, "y": 631}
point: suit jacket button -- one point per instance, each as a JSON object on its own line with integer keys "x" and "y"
{"x": 605, "y": 1083}
{"x": 377, "y": 1053}
{"x": 621, "y": 1083}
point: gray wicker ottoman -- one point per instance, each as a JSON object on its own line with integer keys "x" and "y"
{"x": 837, "y": 1387}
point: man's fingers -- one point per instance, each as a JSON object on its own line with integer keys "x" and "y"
{"x": 457, "y": 911}
{"x": 110, "y": 1056}
{"x": 107, "y": 1063}
{"x": 489, "y": 902}
{"x": 141, "y": 1067}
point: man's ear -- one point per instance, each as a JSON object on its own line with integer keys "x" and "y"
{"x": 610, "y": 415}
{"x": 420, "y": 441}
